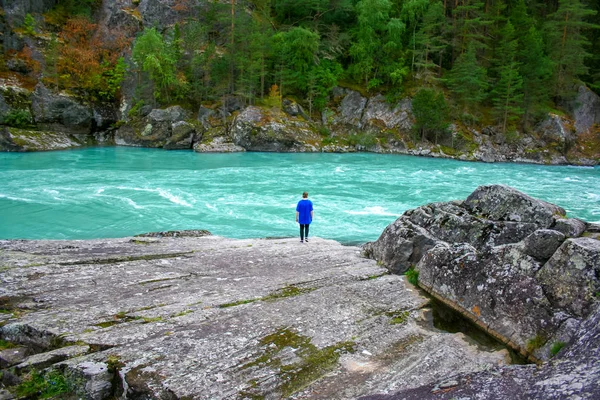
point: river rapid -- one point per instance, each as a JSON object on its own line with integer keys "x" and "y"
{"x": 116, "y": 191}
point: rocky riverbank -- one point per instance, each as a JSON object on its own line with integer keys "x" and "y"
{"x": 181, "y": 315}
{"x": 351, "y": 123}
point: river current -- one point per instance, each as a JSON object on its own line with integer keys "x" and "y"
{"x": 117, "y": 192}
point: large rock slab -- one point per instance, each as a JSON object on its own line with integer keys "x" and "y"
{"x": 22, "y": 140}
{"x": 574, "y": 375}
{"x": 502, "y": 259}
{"x": 170, "y": 317}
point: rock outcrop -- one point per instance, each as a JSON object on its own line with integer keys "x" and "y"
{"x": 258, "y": 129}
{"x": 181, "y": 315}
{"x": 168, "y": 128}
{"x": 514, "y": 265}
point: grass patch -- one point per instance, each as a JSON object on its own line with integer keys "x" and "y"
{"x": 556, "y": 347}
{"x": 373, "y": 277}
{"x": 4, "y": 344}
{"x": 412, "y": 275}
{"x": 44, "y": 386}
{"x": 535, "y": 343}
{"x": 288, "y": 291}
{"x": 182, "y": 313}
{"x": 313, "y": 362}
{"x": 238, "y": 303}
{"x": 398, "y": 317}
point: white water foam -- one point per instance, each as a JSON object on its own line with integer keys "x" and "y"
{"x": 173, "y": 198}
{"x": 5, "y": 196}
{"x": 375, "y": 210}
{"x": 166, "y": 194}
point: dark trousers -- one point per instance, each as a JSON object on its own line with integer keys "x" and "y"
{"x": 304, "y": 231}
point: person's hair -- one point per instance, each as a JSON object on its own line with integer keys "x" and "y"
{"x": 305, "y": 194}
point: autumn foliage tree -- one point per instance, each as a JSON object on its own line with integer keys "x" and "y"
{"x": 86, "y": 64}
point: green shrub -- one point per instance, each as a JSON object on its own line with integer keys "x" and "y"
{"x": 18, "y": 118}
{"x": 556, "y": 347}
{"x": 135, "y": 109}
{"x": 362, "y": 139}
{"x": 412, "y": 275}
{"x": 29, "y": 25}
{"x": 324, "y": 131}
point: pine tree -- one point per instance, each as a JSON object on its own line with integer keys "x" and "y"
{"x": 468, "y": 79}
{"x": 536, "y": 70}
{"x": 431, "y": 113}
{"x": 568, "y": 45}
{"x": 469, "y": 25}
{"x": 368, "y": 50}
{"x": 296, "y": 50}
{"x": 507, "y": 94}
{"x": 430, "y": 44}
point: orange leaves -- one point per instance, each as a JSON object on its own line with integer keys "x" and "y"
{"x": 85, "y": 57}
{"x": 181, "y": 5}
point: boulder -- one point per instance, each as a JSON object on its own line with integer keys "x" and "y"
{"x": 294, "y": 109}
{"x": 93, "y": 380}
{"x": 204, "y": 117}
{"x": 379, "y": 113}
{"x": 60, "y": 113}
{"x": 542, "y": 243}
{"x": 257, "y": 129}
{"x": 571, "y": 278}
{"x": 219, "y": 144}
{"x": 503, "y": 203}
{"x": 554, "y": 133}
{"x": 183, "y": 136}
{"x": 166, "y": 128}
{"x": 570, "y": 227}
{"x": 350, "y": 111}
{"x": 14, "y": 139}
{"x": 13, "y": 356}
{"x": 501, "y": 258}
{"x": 586, "y": 110}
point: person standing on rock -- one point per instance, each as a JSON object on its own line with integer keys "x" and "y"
{"x": 304, "y": 216}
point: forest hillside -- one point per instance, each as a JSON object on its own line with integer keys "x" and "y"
{"x": 465, "y": 64}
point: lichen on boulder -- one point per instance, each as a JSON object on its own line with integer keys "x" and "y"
{"x": 512, "y": 264}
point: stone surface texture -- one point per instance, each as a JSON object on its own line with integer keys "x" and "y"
{"x": 178, "y": 316}
{"x": 572, "y": 375}
{"x": 168, "y": 128}
{"x": 512, "y": 264}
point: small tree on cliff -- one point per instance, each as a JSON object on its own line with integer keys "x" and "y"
{"x": 153, "y": 56}
{"x": 431, "y": 114}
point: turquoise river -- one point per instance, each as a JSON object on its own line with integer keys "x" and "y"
{"x": 117, "y": 192}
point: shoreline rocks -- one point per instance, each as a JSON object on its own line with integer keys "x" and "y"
{"x": 514, "y": 265}
{"x": 351, "y": 123}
